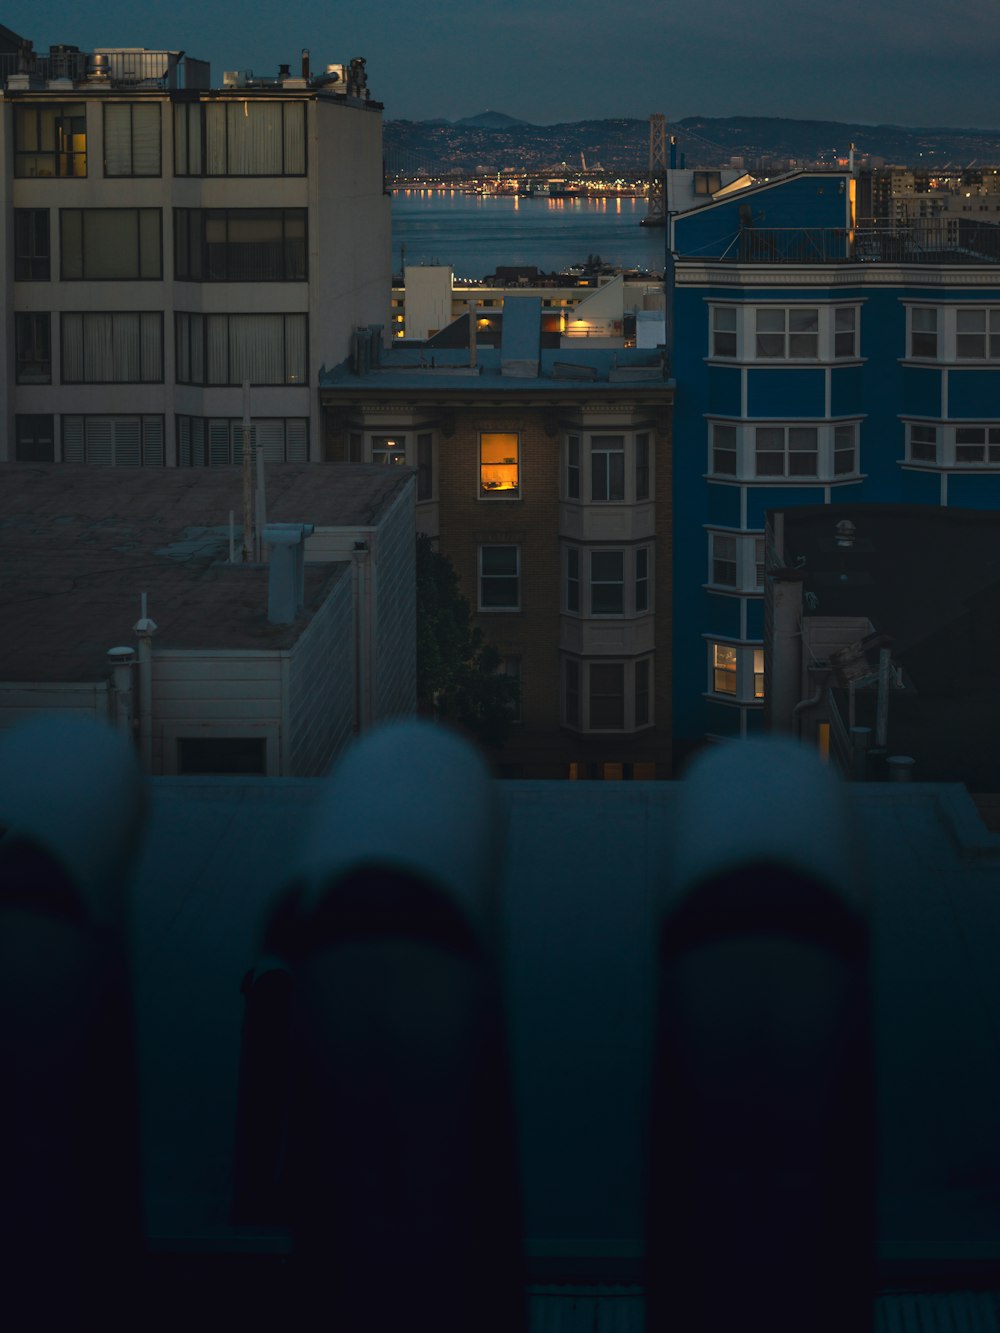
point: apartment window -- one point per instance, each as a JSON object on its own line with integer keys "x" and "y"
{"x": 33, "y": 346}
{"x": 736, "y": 671}
{"x": 748, "y": 452}
{"x": 119, "y": 441}
{"x": 607, "y": 583}
{"x": 643, "y": 711}
{"x": 923, "y": 331}
{"x": 786, "y": 451}
{"x": 425, "y": 467}
{"x": 34, "y": 438}
{"x": 243, "y": 137}
{"x": 736, "y": 561}
{"x": 228, "y": 349}
{"x": 218, "y": 441}
{"x": 499, "y": 578}
{"x": 724, "y": 442}
{"x": 132, "y": 139}
{"x": 607, "y": 696}
{"x": 571, "y": 695}
{"x": 122, "y": 347}
{"x": 642, "y": 466}
{"x": 607, "y": 468}
{"x": 977, "y": 444}
{"x": 240, "y": 245}
{"x": 50, "y": 140}
{"x": 707, "y": 182}
{"x": 724, "y": 672}
{"x": 572, "y": 578}
{"x": 845, "y": 331}
{"x": 389, "y": 449}
{"x": 110, "y": 243}
{"x": 791, "y": 334}
{"x": 977, "y": 334}
{"x": 32, "y": 248}
{"x": 573, "y": 467}
{"x": 724, "y": 330}
{"x": 784, "y": 333}
{"x": 499, "y": 474}
{"x": 641, "y": 579}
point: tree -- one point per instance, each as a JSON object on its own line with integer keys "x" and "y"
{"x": 458, "y": 672}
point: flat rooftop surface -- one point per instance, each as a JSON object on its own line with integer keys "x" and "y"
{"x": 79, "y": 545}
{"x": 579, "y": 908}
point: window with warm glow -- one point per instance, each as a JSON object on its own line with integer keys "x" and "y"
{"x": 498, "y": 465}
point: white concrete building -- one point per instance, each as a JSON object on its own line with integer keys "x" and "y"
{"x": 163, "y": 241}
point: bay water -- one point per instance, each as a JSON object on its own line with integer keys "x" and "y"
{"x": 476, "y": 233}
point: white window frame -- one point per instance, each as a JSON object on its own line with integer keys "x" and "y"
{"x": 391, "y": 448}
{"x": 498, "y": 546}
{"x": 744, "y": 438}
{"x": 733, "y": 332}
{"x": 590, "y": 444}
{"x": 951, "y": 342}
{"x": 747, "y": 561}
{"x": 585, "y": 666}
{"x": 948, "y": 442}
{"x": 580, "y": 576}
{"x": 747, "y": 671}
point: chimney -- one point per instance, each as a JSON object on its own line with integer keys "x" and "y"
{"x": 305, "y": 62}
{"x": 286, "y": 570}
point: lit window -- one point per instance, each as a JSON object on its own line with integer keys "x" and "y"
{"x": 499, "y": 578}
{"x": 50, "y": 140}
{"x": 498, "y": 465}
{"x": 736, "y": 672}
{"x": 389, "y": 449}
{"x": 724, "y": 668}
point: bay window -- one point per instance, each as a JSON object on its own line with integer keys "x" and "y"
{"x": 736, "y": 671}
{"x": 736, "y": 561}
{"x": 607, "y": 695}
{"x": 774, "y": 332}
{"x": 953, "y": 444}
{"x": 603, "y": 582}
{"x": 228, "y": 349}
{"x": 783, "y": 451}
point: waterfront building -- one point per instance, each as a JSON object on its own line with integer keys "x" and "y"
{"x": 165, "y": 240}
{"x": 544, "y": 475}
{"x": 429, "y": 299}
{"x": 820, "y": 359}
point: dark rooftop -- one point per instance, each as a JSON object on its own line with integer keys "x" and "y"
{"x": 78, "y": 545}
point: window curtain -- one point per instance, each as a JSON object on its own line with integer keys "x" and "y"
{"x": 256, "y": 345}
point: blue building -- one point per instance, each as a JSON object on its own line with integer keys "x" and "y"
{"x": 820, "y": 359}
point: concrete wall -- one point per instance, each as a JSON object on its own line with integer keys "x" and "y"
{"x": 320, "y": 687}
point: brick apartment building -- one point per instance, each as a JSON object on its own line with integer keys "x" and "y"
{"x": 544, "y": 475}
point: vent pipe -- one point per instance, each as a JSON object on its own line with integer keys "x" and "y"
{"x": 286, "y": 570}
{"x": 305, "y": 62}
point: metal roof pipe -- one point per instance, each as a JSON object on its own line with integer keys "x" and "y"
{"x": 401, "y": 1179}
{"x": 761, "y": 1206}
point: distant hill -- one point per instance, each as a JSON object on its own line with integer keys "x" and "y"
{"x": 490, "y": 120}
{"x": 494, "y": 139}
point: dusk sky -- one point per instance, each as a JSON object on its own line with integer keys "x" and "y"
{"x": 902, "y": 61}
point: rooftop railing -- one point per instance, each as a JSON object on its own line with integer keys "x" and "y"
{"x": 123, "y": 69}
{"x": 925, "y": 241}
